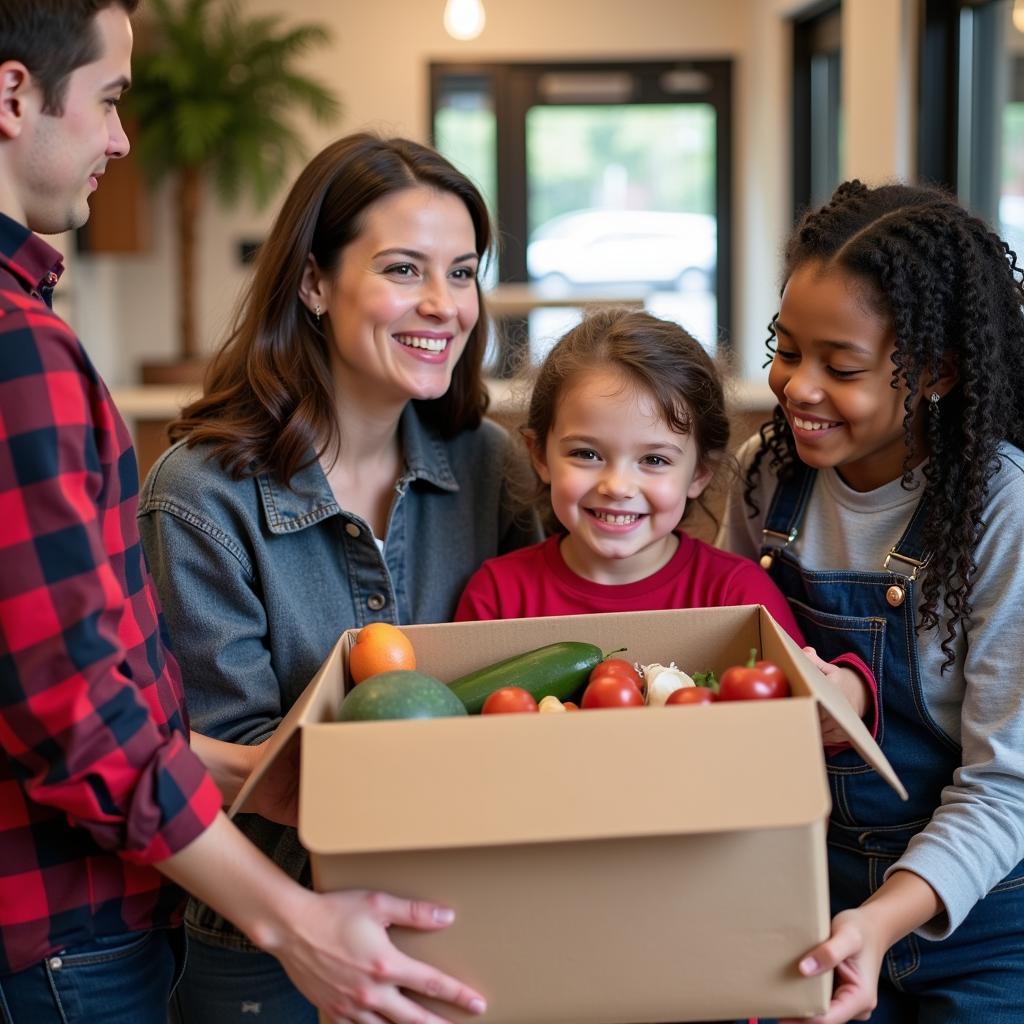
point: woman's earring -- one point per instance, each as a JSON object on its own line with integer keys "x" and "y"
{"x": 933, "y": 398}
{"x": 317, "y": 311}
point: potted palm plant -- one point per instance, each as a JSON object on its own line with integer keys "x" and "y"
{"x": 211, "y": 92}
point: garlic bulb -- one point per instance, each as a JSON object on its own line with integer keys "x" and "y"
{"x": 661, "y": 680}
{"x": 550, "y": 704}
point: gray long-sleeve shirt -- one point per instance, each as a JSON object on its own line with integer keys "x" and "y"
{"x": 976, "y": 834}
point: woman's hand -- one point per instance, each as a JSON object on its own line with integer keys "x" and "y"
{"x": 277, "y": 796}
{"x": 341, "y": 957}
{"x": 855, "y": 952}
{"x": 853, "y": 687}
{"x": 230, "y": 764}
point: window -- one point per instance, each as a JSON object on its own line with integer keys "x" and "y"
{"x": 817, "y": 108}
{"x": 609, "y": 180}
{"x": 972, "y": 107}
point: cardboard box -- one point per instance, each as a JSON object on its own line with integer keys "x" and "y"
{"x": 614, "y": 867}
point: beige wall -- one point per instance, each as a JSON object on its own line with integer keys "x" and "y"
{"x": 123, "y": 307}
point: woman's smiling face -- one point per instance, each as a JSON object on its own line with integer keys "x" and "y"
{"x": 833, "y": 374}
{"x": 404, "y": 299}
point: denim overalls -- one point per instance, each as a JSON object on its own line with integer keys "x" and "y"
{"x": 976, "y": 976}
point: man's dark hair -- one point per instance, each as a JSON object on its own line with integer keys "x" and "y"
{"x": 52, "y": 38}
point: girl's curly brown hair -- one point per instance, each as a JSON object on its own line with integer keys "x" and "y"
{"x": 953, "y": 291}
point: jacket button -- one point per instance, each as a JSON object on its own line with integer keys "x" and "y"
{"x": 352, "y": 530}
{"x": 376, "y": 602}
{"x": 56, "y": 963}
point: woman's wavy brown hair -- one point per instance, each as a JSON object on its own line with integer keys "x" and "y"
{"x": 952, "y": 291}
{"x": 657, "y": 356}
{"x": 268, "y": 401}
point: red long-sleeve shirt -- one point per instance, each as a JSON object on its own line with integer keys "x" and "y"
{"x": 536, "y": 581}
{"x": 97, "y": 781}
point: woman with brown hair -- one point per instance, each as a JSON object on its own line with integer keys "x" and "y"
{"x": 337, "y": 471}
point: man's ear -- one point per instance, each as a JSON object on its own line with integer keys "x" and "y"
{"x": 540, "y": 465}
{"x": 313, "y": 287}
{"x": 15, "y": 85}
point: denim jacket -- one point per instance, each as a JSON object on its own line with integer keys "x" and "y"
{"x": 258, "y": 580}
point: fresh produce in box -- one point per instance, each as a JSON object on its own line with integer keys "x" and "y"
{"x": 543, "y": 679}
{"x": 757, "y": 680}
{"x": 510, "y": 700}
{"x": 379, "y": 647}
{"x": 691, "y": 695}
{"x": 399, "y": 694}
{"x": 611, "y": 691}
{"x": 662, "y": 680}
{"x": 617, "y": 667}
{"x": 558, "y": 670}
{"x": 549, "y": 705}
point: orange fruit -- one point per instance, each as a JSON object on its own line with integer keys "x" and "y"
{"x": 379, "y": 647}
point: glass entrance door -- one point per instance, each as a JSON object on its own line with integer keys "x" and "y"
{"x": 609, "y": 181}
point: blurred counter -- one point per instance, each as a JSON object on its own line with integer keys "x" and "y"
{"x": 149, "y": 409}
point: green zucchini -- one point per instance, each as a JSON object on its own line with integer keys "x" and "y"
{"x": 556, "y": 669}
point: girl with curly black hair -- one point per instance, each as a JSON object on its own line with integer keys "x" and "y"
{"x": 886, "y": 498}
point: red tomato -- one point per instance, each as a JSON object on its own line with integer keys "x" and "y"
{"x": 507, "y": 700}
{"x": 570, "y": 705}
{"x": 757, "y": 680}
{"x": 691, "y": 695}
{"x": 611, "y": 691}
{"x": 617, "y": 667}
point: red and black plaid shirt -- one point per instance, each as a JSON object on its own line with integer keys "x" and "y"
{"x": 97, "y": 782}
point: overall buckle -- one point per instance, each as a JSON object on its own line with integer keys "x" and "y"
{"x": 768, "y": 557}
{"x": 897, "y": 594}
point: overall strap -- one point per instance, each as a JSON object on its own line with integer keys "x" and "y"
{"x": 910, "y": 547}
{"x": 786, "y": 511}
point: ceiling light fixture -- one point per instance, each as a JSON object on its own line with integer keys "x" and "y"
{"x": 464, "y": 19}
{"x": 1018, "y": 15}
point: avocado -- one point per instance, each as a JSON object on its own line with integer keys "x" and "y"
{"x": 399, "y": 694}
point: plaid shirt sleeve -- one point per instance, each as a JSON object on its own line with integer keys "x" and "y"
{"x": 91, "y": 715}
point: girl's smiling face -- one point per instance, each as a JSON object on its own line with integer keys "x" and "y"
{"x": 833, "y": 373}
{"x": 620, "y": 477}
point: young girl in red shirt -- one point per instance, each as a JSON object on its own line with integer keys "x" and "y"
{"x": 626, "y": 426}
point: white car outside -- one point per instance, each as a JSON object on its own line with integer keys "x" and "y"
{"x": 591, "y": 247}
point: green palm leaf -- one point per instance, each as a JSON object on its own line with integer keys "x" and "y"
{"x": 212, "y": 88}
{"x": 212, "y": 94}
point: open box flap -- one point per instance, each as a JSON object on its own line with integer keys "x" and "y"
{"x": 506, "y": 779}
{"x": 317, "y": 703}
{"x": 831, "y": 698}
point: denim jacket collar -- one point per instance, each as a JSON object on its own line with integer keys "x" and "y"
{"x": 311, "y": 501}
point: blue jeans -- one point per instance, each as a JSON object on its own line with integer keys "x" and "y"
{"x": 222, "y": 986}
{"x": 117, "y": 979}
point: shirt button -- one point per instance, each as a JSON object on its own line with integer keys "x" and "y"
{"x": 376, "y": 602}
{"x": 352, "y": 530}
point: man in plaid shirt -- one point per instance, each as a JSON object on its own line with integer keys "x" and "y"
{"x": 104, "y": 804}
